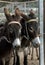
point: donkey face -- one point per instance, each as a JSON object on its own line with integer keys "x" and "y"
{"x": 14, "y": 33}
{"x": 33, "y": 33}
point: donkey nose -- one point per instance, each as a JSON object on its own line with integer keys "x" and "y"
{"x": 36, "y": 41}
{"x": 17, "y": 42}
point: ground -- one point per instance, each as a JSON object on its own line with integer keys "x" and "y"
{"x": 30, "y": 62}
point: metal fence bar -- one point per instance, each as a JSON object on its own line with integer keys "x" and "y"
{"x": 41, "y": 31}
{"x": 17, "y": 1}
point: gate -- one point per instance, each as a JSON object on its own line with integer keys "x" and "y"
{"x": 41, "y": 31}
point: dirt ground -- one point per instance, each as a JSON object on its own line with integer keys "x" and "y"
{"x": 34, "y": 61}
{"x": 30, "y": 62}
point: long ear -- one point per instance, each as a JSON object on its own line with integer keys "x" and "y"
{"x": 6, "y": 11}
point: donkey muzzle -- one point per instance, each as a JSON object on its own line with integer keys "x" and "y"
{"x": 17, "y": 42}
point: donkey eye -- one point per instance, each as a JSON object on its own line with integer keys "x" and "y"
{"x": 11, "y": 30}
{"x": 19, "y": 30}
{"x": 31, "y": 28}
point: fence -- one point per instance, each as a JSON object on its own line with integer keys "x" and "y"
{"x": 24, "y": 6}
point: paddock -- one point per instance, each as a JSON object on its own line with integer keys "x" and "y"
{"x": 21, "y": 55}
{"x": 29, "y": 61}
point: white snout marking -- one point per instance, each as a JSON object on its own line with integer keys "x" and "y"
{"x": 36, "y": 40}
{"x": 17, "y": 42}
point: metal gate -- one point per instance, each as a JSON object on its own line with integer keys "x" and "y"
{"x": 41, "y": 31}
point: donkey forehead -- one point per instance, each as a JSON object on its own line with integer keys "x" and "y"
{"x": 14, "y": 23}
{"x": 14, "y": 26}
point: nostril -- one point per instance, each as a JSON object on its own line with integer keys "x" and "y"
{"x": 13, "y": 47}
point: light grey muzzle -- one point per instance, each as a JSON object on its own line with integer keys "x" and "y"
{"x": 17, "y": 42}
{"x": 36, "y": 41}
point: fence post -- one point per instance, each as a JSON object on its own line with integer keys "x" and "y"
{"x": 41, "y": 31}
